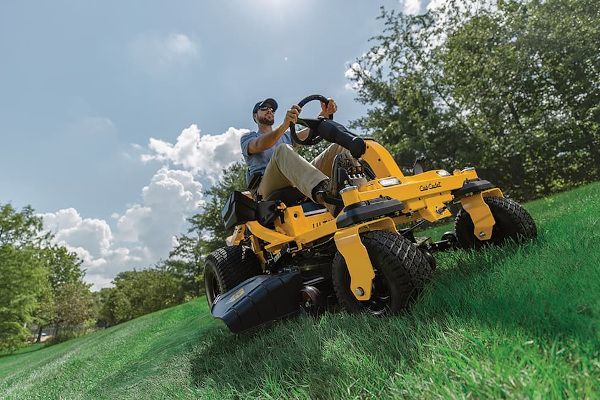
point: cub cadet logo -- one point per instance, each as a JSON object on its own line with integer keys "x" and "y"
{"x": 430, "y": 186}
{"x": 236, "y": 296}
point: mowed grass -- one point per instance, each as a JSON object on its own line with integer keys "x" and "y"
{"x": 512, "y": 322}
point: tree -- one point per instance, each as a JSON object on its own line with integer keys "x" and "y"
{"x": 23, "y": 280}
{"x": 186, "y": 262}
{"x": 115, "y": 307}
{"x": 137, "y": 293}
{"x": 509, "y": 87}
{"x": 207, "y": 227}
{"x": 40, "y": 283}
{"x": 45, "y": 311}
{"x": 65, "y": 278}
{"x": 74, "y": 306}
{"x": 21, "y": 229}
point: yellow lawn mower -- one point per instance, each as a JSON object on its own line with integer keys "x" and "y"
{"x": 289, "y": 254}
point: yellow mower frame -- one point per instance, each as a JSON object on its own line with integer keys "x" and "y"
{"x": 425, "y": 196}
{"x": 287, "y": 254}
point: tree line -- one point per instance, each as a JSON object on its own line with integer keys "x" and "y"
{"x": 41, "y": 284}
{"x": 509, "y": 87}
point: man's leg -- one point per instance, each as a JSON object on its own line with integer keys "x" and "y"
{"x": 288, "y": 168}
{"x": 324, "y": 161}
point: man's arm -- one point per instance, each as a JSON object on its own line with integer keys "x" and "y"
{"x": 267, "y": 140}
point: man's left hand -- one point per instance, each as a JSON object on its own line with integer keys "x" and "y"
{"x": 328, "y": 108}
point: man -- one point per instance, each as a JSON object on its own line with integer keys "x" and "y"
{"x": 269, "y": 151}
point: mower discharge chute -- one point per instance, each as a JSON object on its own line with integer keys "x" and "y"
{"x": 287, "y": 253}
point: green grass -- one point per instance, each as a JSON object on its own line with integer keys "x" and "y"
{"x": 515, "y": 322}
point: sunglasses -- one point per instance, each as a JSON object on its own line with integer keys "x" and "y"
{"x": 265, "y": 108}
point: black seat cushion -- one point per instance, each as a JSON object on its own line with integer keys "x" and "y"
{"x": 289, "y": 195}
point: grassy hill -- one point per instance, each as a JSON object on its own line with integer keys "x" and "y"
{"x": 511, "y": 322}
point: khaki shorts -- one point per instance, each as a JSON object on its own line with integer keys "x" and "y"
{"x": 288, "y": 168}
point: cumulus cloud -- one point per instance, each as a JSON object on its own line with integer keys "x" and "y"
{"x": 201, "y": 154}
{"x": 435, "y": 4}
{"x": 93, "y": 235}
{"x": 157, "y": 54}
{"x": 170, "y": 198}
{"x": 140, "y": 237}
{"x": 411, "y": 6}
{"x": 145, "y": 231}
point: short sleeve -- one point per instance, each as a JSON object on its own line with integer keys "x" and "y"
{"x": 245, "y": 142}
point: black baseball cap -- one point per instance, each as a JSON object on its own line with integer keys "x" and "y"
{"x": 270, "y": 102}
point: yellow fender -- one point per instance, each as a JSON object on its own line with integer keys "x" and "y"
{"x": 355, "y": 254}
{"x": 481, "y": 215}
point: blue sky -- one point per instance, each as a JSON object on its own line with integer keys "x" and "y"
{"x": 115, "y": 115}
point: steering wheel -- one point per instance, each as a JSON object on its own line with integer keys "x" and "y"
{"x": 313, "y": 138}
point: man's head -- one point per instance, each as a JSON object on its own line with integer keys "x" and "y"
{"x": 264, "y": 112}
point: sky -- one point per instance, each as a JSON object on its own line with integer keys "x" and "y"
{"x": 116, "y": 116}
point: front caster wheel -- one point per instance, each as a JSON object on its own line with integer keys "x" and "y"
{"x": 513, "y": 222}
{"x": 401, "y": 271}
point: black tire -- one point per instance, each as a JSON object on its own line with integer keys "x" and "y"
{"x": 513, "y": 222}
{"x": 227, "y": 267}
{"x": 401, "y": 271}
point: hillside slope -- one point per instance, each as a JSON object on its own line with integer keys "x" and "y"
{"x": 517, "y": 321}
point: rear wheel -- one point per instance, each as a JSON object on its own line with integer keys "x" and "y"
{"x": 401, "y": 271}
{"x": 513, "y": 222}
{"x": 227, "y": 267}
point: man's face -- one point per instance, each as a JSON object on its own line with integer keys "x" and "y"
{"x": 265, "y": 115}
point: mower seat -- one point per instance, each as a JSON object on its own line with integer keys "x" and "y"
{"x": 290, "y": 196}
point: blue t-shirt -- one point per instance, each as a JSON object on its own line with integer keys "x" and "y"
{"x": 257, "y": 162}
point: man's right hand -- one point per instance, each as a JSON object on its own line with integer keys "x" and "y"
{"x": 291, "y": 116}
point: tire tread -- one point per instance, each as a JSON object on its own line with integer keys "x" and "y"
{"x": 523, "y": 226}
{"x": 402, "y": 264}
{"x": 233, "y": 265}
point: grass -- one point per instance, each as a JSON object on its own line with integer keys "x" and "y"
{"x": 514, "y": 322}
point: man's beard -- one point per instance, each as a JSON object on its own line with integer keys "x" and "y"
{"x": 266, "y": 120}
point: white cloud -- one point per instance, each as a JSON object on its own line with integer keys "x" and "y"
{"x": 411, "y": 6}
{"x": 158, "y": 54}
{"x": 145, "y": 231}
{"x": 170, "y": 198}
{"x": 201, "y": 154}
{"x": 94, "y": 235}
{"x": 435, "y": 4}
{"x": 129, "y": 223}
